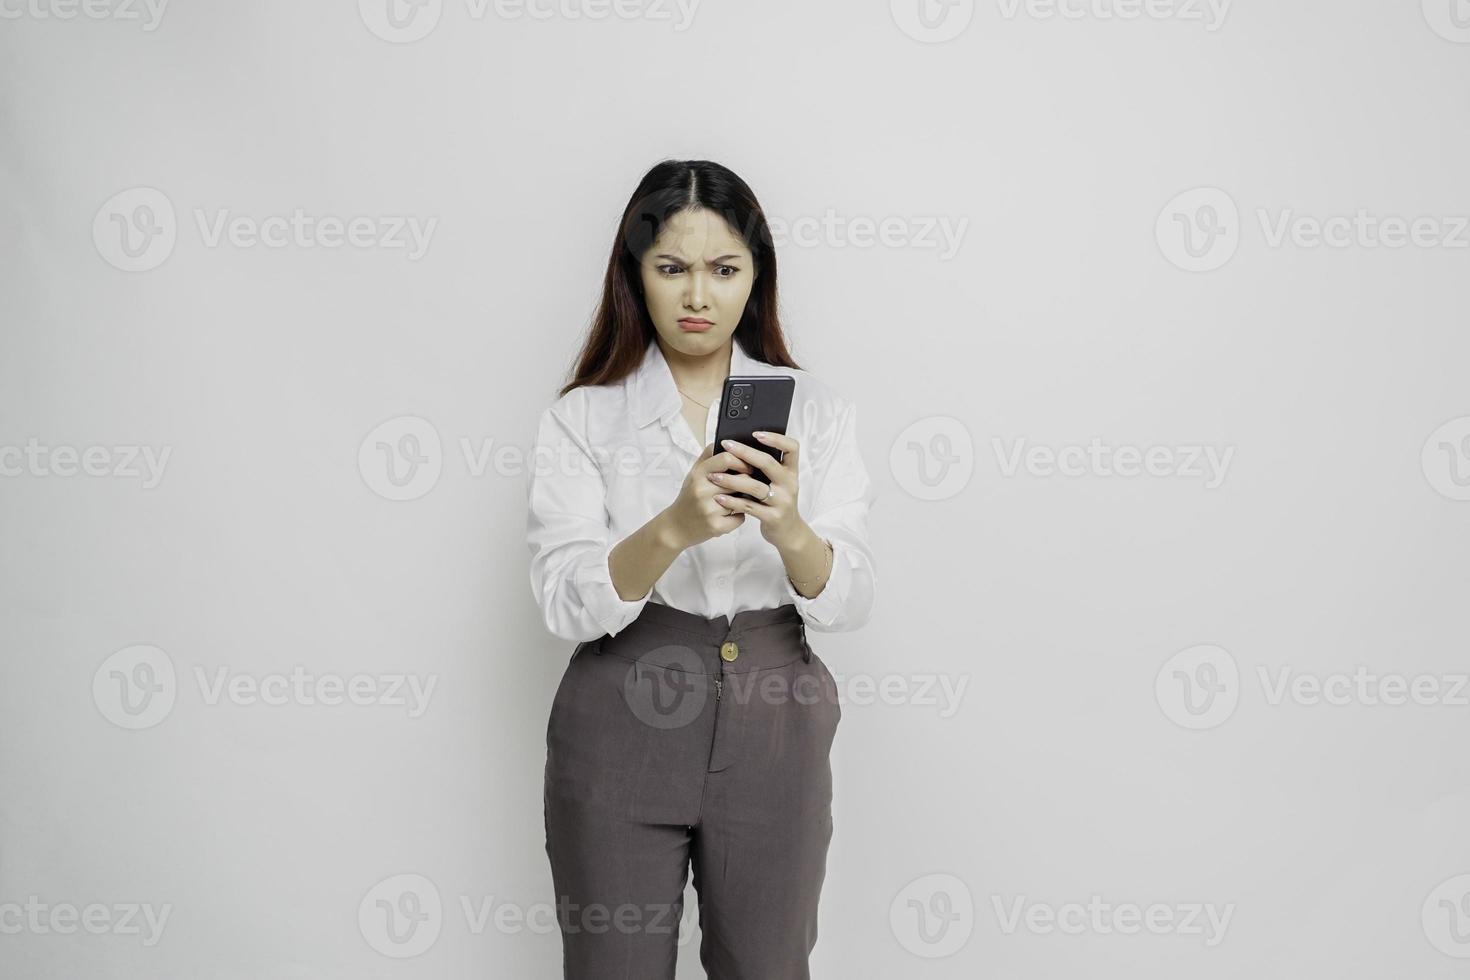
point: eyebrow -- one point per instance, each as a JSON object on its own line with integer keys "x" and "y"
{"x": 721, "y": 258}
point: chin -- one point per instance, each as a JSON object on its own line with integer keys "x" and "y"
{"x": 694, "y": 343}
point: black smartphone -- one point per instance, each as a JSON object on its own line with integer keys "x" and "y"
{"x": 757, "y": 403}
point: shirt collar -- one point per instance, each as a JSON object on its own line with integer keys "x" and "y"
{"x": 651, "y": 390}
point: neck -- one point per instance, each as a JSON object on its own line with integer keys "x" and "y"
{"x": 699, "y": 373}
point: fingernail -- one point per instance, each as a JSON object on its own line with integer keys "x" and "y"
{"x": 727, "y": 443}
{"x": 760, "y": 435}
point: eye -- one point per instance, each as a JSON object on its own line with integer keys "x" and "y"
{"x": 733, "y": 271}
{"x": 665, "y": 269}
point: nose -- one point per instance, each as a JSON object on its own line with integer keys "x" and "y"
{"x": 694, "y": 298}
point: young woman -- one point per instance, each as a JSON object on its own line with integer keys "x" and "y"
{"x": 692, "y": 726}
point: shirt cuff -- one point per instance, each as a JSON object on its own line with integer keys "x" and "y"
{"x": 826, "y": 606}
{"x": 594, "y": 584}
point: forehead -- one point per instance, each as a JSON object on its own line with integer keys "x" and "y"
{"x": 698, "y": 234}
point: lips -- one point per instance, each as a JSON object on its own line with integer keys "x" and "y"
{"x": 695, "y": 324}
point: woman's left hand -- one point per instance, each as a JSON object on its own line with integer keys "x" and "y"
{"x": 779, "y": 518}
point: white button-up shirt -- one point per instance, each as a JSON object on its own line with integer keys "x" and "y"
{"x": 610, "y": 457}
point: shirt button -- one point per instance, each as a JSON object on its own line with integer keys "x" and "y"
{"x": 729, "y": 651}
{"x": 722, "y": 581}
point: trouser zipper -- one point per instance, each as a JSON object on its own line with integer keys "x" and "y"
{"x": 714, "y": 735}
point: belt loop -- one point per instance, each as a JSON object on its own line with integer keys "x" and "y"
{"x": 806, "y": 649}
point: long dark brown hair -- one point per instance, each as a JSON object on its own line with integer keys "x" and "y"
{"x": 621, "y": 327}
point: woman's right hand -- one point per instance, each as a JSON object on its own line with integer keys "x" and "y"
{"x": 695, "y": 515}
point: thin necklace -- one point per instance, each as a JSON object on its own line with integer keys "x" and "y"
{"x": 692, "y": 398}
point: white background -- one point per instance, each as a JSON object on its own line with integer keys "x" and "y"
{"x": 1335, "y": 539}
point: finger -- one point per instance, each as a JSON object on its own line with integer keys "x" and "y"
{"x": 755, "y": 457}
{"x": 724, "y": 461}
{"x": 727, "y": 511}
{"x": 707, "y": 489}
{"x": 741, "y": 505}
{"x": 736, "y": 483}
{"x": 784, "y": 443}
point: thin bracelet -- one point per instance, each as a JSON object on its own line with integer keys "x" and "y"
{"x": 828, "y": 546}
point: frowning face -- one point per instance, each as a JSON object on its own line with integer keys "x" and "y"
{"x": 696, "y": 277}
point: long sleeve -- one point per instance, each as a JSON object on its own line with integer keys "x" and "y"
{"x": 844, "y": 495}
{"x": 567, "y": 532}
